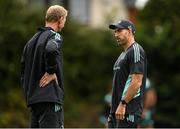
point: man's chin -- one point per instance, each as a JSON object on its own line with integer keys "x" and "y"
{"x": 119, "y": 43}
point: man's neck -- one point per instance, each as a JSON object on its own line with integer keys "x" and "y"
{"x": 52, "y": 25}
{"x": 130, "y": 42}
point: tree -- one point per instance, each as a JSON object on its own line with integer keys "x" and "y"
{"x": 159, "y": 32}
{"x": 16, "y": 27}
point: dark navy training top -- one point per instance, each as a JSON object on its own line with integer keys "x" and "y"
{"x": 131, "y": 61}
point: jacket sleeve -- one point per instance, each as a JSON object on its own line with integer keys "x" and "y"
{"x": 51, "y": 51}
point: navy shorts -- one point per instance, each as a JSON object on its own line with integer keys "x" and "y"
{"x": 129, "y": 121}
{"x": 47, "y": 115}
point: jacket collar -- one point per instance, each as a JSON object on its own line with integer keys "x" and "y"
{"x": 45, "y": 28}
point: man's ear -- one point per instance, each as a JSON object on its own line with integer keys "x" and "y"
{"x": 129, "y": 31}
{"x": 61, "y": 18}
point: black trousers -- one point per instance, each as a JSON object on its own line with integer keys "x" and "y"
{"x": 113, "y": 123}
{"x": 47, "y": 115}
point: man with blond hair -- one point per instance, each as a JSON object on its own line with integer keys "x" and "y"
{"x": 42, "y": 72}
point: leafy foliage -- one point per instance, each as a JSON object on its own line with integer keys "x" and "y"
{"x": 159, "y": 33}
{"x": 88, "y": 58}
{"x": 15, "y": 28}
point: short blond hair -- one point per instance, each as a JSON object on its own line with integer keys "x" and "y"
{"x": 55, "y": 12}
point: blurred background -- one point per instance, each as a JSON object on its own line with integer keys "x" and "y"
{"x": 90, "y": 51}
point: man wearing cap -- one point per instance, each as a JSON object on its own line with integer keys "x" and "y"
{"x": 129, "y": 78}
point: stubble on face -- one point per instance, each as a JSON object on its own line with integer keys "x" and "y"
{"x": 121, "y": 39}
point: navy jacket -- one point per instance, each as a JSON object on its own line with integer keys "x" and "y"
{"x": 42, "y": 53}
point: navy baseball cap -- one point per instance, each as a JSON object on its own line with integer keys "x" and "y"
{"x": 123, "y": 24}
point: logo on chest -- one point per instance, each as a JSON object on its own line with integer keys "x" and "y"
{"x": 119, "y": 61}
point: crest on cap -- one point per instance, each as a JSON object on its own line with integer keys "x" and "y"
{"x": 130, "y": 27}
{"x": 119, "y": 21}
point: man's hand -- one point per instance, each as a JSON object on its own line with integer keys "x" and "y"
{"x": 47, "y": 78}
{"x": 120, "y": 112}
